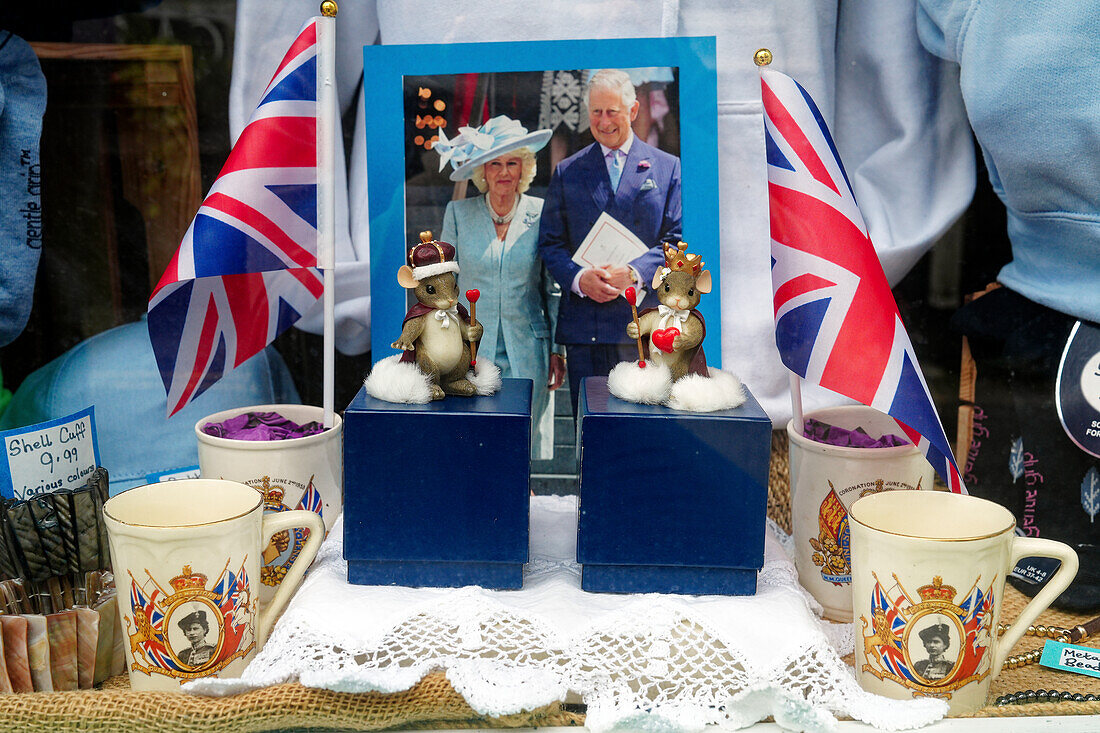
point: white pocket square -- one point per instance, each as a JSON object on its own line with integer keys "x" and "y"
{"x": 648, "y": 184}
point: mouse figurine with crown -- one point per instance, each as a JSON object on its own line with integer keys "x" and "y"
{"x": 438, "y": 335}
{"x": 672, "y": 368}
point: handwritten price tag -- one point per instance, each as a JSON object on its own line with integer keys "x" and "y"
{"x": 53, "y": 455}
{"x": 1071, "y": 658}
{"x": 175, "y": 474}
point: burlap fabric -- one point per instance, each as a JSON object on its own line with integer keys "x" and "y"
{"x": 779, "y": 481}
{"x": 433, "y": 703}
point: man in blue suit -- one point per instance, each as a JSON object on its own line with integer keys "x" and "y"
{"x": 636, "y": 184}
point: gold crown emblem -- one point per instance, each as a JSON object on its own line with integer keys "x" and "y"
{"x": 188, "y": 581}
{"x": 937, "y": 591}
{"x": 677, "y": 259}
{"x": 273, "y": 495}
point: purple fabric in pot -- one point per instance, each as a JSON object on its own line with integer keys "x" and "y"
{"x": 821, "y": 432}
{"x": 261, "y": 426}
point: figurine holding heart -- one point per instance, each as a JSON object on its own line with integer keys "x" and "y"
{"x": 663, "y": 338}
{"x": 670, "y": 337}
{"x": 675, "y": 328}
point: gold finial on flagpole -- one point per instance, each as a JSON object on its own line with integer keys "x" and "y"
{"x": 329, "y": 9}
{"x": 762, "y": 57}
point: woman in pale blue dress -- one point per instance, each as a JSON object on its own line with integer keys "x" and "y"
{"x": 496, "y": 236}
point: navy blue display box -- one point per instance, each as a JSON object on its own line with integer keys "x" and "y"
{"x": 437, "y": 494}
{"x": 671, "y": 501}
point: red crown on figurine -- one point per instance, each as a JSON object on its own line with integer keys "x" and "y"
{"x": 937, "y": 591}
{"x": 678, "y": 260}
{"x": 188, "y": 580}
{"x": 431, "y": 257}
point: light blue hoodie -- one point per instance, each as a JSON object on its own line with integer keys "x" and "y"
{"x": 1030, "y": 77}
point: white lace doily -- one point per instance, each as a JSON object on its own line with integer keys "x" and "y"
{"x": 653, "y": 662}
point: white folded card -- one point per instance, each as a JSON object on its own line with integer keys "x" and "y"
{"x": 608, "y": 242}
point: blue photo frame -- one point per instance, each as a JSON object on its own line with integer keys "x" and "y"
{"x": 384, "y": 71}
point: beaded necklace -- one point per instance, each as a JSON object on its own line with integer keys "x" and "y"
{"x": 1067, "y": 636}
{"x": 497, "y": 219}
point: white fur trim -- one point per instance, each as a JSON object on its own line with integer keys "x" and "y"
{"x": 435, "y": 268}
{"x": 694, "y": 393}
{"x": 630, "y": 382}
{"x": 392, "y": 380}
{"x": 485, "y": 376}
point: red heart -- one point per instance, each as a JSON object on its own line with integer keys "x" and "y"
{"x": 472, "y": 295}
{"x": 662, "y": 338}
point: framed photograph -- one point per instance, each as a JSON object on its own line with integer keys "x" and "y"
{"x": 419, "y": 98}
{"x": 932, "y": 643}
{"x": 195, "y": 633}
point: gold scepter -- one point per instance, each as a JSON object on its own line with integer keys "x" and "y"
{"x": 630, "y": 294}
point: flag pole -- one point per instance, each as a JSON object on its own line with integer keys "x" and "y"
{"x": 763, "y": 57}
{"x": 796, "y": 402}
{"x": 327, "y": 121}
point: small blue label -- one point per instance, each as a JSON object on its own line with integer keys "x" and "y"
{"x": 173, "y": 475}
{"x": 1071, "y": 658}
{"x": 1035, "y": 570}
{"x": 53, "y": 455}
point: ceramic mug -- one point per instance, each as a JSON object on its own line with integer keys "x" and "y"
{"x": 299, "y": 473}
{"x": 825, "y": 481}
{"x": 186, "y": 556}
{"x": 928, "y": 578}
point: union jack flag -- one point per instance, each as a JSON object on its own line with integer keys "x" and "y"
{"x": 836, "y": 322}
{"x": 223, "y": 589}
{"x": 232, "y": 590}
{"x": 977, "y": 623}
{"x": 152, "y": 645}
{"x": 311, "y": 499}
{"x": 889, "y": 625}
{"x": 247, "y": 267}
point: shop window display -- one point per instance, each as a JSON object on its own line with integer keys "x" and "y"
{"x": 112, "y": 128}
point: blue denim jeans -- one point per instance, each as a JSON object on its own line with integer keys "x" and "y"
{"x": 22, "y": 103}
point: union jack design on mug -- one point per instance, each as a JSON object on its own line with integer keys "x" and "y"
{"x": 932, "y": 646}
{"x": 190, "y": 632}
{"x": 285, "y": 546}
